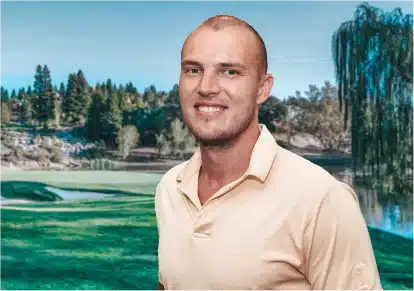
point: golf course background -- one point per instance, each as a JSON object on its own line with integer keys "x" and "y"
{"x": 111, "y": 243}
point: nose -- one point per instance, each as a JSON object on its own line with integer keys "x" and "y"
{"x": 209, "y": 85}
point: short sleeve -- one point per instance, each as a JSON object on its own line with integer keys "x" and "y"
{"x": 338, "y": 248}
{"x": 157, "y": 206}
{"x": 158, "y": 214}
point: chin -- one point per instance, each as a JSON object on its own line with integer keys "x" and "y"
{"x": 211, "y": 137}
{"x": 214, "y": 133}
{"x": 213, "y": 142}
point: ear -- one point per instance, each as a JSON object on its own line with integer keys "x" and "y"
{"x": 264, "y": 90}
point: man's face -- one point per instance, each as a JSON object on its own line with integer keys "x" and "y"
{"x": 220, "y": 83}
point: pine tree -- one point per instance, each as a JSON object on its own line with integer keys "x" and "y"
{"x": 69, "y": 106}
{"x": 109, "y": 88}
{"x": 104, "y": 90}
{"x": 4, "y": 94}
{"x": 26, "y": 109}
{"x": 83, "y": 98}
{"x": 13, "y": 94}
{"x": 112, "y": 117}
{"x": 95, "y": 116}
{"x": 61, "y": 90}
{"x": 172, "y": 107}
{"x": 50, "y": 96}
{"x": 43, "y": 99}
{"x": 38, "y": 95}
{"x": 29, "y": 90}
{"x": 121, "y": 98}
{"x": 76, "y": 99}
{"x": 150, "y": 96}
{"x": 21, "y": 94}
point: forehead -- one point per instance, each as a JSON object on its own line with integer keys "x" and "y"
{"x": 231, "y": 44}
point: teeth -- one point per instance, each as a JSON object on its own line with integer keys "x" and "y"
{"x": 209, "y": 109}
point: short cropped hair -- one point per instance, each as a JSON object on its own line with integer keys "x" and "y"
{"x": 219, "y": 22}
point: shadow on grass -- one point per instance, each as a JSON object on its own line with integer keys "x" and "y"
{"x": 34, "y": 191}
{"x": 37, "y": 191}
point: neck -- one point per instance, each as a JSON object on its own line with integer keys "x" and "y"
{"x": 224, "y": 164}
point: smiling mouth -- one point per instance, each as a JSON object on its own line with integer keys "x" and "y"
{"x": 209, "y": 109}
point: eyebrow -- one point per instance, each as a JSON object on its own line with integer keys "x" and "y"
{"x": 233, "y": 65}
{"x": 223, "y": 65}
{"x": 190, "y": 63}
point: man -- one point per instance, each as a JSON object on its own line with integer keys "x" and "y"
{"x": 244, "y": 213}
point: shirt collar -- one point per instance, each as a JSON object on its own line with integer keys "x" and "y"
{"x": 261, "y": 160}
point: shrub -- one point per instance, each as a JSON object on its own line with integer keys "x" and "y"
{"x": 103, "y": 165}
{"x": 97, "y": 152}
{"x": 57, "y": 154}
{"x": 177, "y": 142}
{"x": 127, "y": 139}
{"x": 19, "y": 152}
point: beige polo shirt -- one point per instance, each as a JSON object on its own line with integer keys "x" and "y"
{"x": 285, "y": 224}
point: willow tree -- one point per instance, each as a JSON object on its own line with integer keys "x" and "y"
{"x": 373, "y": 56}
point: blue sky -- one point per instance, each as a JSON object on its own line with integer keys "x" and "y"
{"x": 141, "y": 41}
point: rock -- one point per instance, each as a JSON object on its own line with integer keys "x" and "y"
{"x": 5, "y": 149}
{"x": 44, "y": 153}
{"x": 31, "y": 150}
{"x": 54, "y": 166}
{"x": 47, "y": 141}
{"x": 10, "y": 159}
{"x": 36, "y": 140}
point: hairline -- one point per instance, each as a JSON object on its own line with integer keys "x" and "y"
{"x": 220, "y": 22}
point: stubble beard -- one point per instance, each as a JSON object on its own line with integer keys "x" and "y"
{"x": 222, "y": 138}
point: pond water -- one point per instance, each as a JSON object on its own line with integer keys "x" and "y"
{"x": 77, "y": 195}
{"x": 378, "y": 213}
{"x": 65, "y": 194}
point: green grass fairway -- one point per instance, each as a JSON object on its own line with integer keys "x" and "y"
{"x": 111, "y": 243}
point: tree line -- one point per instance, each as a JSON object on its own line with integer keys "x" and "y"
{"x": 103, "y": 110}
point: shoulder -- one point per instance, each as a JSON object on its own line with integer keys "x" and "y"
{"x": 169, "y": 179}
{"x": 165, "y": 186}
{"x": 300, "y": 170}
{"x": 305, "y": 180}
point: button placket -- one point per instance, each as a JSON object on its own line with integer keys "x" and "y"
{"x": 202, "y": 225}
